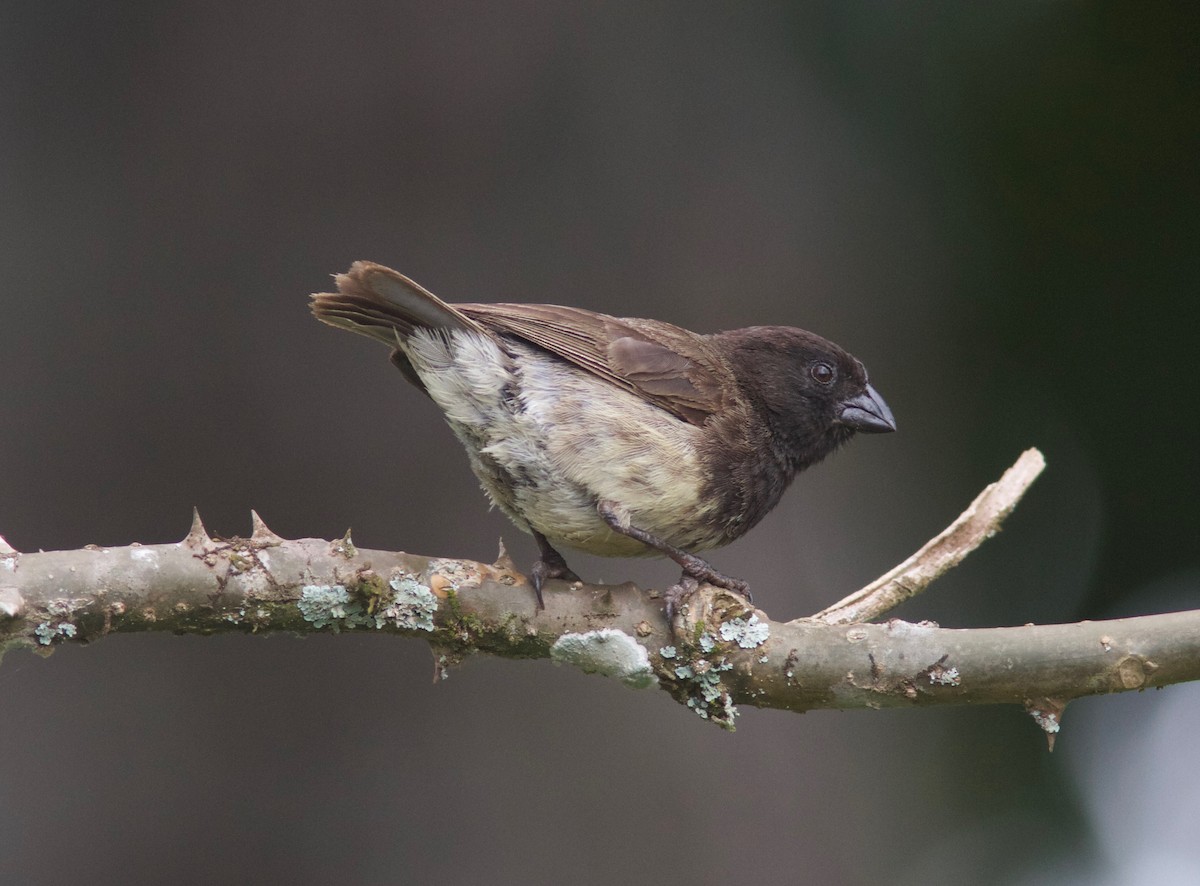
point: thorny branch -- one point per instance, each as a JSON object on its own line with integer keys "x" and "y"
{"x": 720, "y": 652}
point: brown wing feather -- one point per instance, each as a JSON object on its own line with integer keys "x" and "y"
{"x": 677, "y": 370}
{"x": 674, "y": 369}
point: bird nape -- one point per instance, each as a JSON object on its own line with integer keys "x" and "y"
{"x": 618, "y": 436}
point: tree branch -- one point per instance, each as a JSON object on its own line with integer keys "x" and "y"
{"x": 718, "y": 654}
{"x": 979, "y": 522}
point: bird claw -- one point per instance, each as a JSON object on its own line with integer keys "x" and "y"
{"x": 676, "y": 595}
{"x": 712, "y": 577}
{"x": 548, "y": 569}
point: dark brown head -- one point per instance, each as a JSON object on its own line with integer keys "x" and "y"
{"x": 813, "y": 395}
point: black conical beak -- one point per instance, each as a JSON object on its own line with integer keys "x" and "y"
{"x": 867, "y": 413}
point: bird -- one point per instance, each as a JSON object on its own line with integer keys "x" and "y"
{"x": 617, "y": 436}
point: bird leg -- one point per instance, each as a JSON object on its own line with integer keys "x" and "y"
{"x": 549, "y": 565}
{"x": 695, "y": 569}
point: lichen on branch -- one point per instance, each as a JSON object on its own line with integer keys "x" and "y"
{"x": 719, "y": 653}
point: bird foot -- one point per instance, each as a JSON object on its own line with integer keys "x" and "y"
{"x": 678, "y": 594}
{"x": 705, "y": 573}
{"x": 694, "y": 567}
{"x": 548, "y": 568}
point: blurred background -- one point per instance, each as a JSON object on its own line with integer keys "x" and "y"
{"x": 994, "y": 206}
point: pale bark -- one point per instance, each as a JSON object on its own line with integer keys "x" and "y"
{"x": 720, "y": 652}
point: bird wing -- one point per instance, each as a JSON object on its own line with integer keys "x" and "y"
{"x": 672, "y": 368}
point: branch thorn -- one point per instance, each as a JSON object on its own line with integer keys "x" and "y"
{"x": 344, "y": 547}
{"x": 504, "y": 560}
{"x": 197, "y": 536}
{"x": 259, "y": 530}
{"x": 1047, "y": 713}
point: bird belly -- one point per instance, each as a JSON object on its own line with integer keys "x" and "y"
{"x": 549, "y": 441}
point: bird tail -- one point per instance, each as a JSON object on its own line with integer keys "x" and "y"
{"x": 383, "y": 304}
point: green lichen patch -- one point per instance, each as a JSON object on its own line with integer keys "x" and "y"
{"x": 330, "y": 606}
{"x": 747, "y": 633}
{"x": 696, "y": 669}
{"x": 401, "y": 602}
{"x": 412, "y": 606}
{"x": 47, "y": 632}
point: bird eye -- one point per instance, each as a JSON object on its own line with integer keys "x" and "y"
{"x": 822, "y": 373}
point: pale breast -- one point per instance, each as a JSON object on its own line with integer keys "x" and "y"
{"x": 548, "y": 441}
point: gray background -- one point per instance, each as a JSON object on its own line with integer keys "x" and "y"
{"x": 994, "y": 207}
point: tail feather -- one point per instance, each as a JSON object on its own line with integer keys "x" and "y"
{"x": 378, "y": 302}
